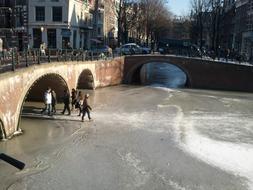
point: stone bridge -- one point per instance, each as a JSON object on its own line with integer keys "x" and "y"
{"x": 29, "y": 84}
{"x": 200, "y": 73}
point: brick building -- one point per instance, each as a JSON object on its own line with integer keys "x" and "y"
{"x": 243, "y": 31}
{"x": 13, "y": 25}
{"x": 228, "y": 25}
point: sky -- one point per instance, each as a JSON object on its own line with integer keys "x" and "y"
{"x": 179, "y": 7}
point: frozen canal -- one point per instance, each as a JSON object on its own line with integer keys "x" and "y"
{"x": 141, "y": 138}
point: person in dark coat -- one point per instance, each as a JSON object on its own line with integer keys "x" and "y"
{"x": 73, "y": 98}
{"x": 54, "y": 101}
{"x": 66, "y": 101}
{"x": 86, "y": 107}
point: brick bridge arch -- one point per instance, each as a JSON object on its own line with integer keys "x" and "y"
{"x": 201, "y": 74}
{"x": 85, "y": 80}
{"x": 53, "y": 80}
{"x": 30, "y": 83}
{"x": 133, "y": 76}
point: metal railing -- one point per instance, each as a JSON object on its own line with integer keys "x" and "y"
{"x": 13, "y": 59}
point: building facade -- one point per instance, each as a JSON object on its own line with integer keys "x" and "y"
{"x": 243, "y": 28}
{"x": 110, "y": 22}
{"x": 227, "y": 37}
{"x": 60, "y": 23}
{"x": 240, "y": 23}
{"x": 105, "y": 22}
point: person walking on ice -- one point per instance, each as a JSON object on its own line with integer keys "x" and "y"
{"x": 54, "y": 101}
{"x": 86, "y": 107}
{"x": 47, "y": 101}
{"x": 66, "y": 101}
{"x": 79, "y": 102}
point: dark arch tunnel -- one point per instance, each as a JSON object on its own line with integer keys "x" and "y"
{"x": 85, "y": 80}
{"x": 137, "y": 75}
{"x": 54, "y": 81}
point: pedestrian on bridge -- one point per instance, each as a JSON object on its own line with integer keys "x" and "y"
{"x": 43, "y": 48}
{"x": 1, "y": 49}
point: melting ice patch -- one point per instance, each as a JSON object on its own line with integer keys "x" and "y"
{"x": 162, "y": 87}
{"x": 140, "y": 174}
{"x": 235, "y": 158}
{"x": 232, "y": 157}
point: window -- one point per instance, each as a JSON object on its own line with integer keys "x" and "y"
{"x": 51, "y": 37}
{"x": 57, "y": 14}
{"x": 99, "y": 31}
{"x": 40, "y": 13}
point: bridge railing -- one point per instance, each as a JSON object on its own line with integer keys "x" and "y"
{"x": 13, "y": 59}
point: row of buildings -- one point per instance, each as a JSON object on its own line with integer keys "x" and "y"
{"x": 236, "y": 27}
{"x": 81, "y": 24}
{"x": 233, "y": 28}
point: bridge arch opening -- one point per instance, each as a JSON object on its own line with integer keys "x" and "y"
{"x": 52, "y": 80}
{"x": 85, "y": 80}
{"x": 160, "y": 73}
{"x": 33, "y": 101}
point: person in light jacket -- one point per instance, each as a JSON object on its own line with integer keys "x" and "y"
{"x": 47, "y": 101}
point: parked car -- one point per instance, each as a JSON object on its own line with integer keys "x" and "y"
{"x": 146, "y": 50}
{"x": 132, "y": 48}
{"x": 101, "y": 49}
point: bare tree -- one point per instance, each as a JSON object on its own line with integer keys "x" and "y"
{"x": 126, "y": 15}
{"x": 198, "y": 15}
{"x": 215, "y": 9}
{"x": 154, "y": 13}
{"x": 142, "y": 19}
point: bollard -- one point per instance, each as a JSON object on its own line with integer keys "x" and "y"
{"x": 58, "y": 59}
{"x": 72, "y": 56}
{"x": 65, "y": 55}
{"x": 91, "y": 55}
{"x": 38, "y": 57}
{"x": 48, "y": 56}
{"x": 82, "y": 55}
{"x": 17, "y": 57}
{"x": 26, "y": 59}
{"x": 12, "y": 61}
{"x": 34, "y": 56}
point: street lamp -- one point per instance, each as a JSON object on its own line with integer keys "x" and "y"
{"x": 42, "y": 29}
